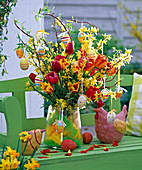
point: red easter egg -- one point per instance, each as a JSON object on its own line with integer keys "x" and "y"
{"x": 68, "y": 144}
{"x": 87, "y": 137}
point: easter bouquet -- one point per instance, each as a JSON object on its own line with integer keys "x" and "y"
{"x": 67, "y": 78}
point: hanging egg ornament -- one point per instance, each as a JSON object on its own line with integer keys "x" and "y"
{"x": 24, "y": 65}
{"x": 59, "y": 126}
{"x": 20, "y": 52}
{"x": 119, "y": 92}
{"x": 38, "y": 80}
{"x": 91, "y": 54}
{"x": 41, "y": 50}
{"x": 65, "y": 38}
{"x": 81, "y": 37}
{"x": 105, "y": 94}
{"x": 81, "y": 101}
{"x": 111, "y": 116}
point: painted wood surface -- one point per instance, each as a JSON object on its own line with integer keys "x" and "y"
{"x": 126, "y": 156}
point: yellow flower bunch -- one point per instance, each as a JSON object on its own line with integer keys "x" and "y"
{"x": 59, "y": 68}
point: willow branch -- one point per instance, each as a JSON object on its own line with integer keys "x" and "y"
{"x": 85, "y": 22}
{"x": 59, "y": 21}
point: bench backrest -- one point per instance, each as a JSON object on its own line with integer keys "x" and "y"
{"x": 14, "y": 108}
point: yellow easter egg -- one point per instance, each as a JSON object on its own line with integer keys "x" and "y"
{"x": 24, "y": 65}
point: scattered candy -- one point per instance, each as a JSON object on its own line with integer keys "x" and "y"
{"x": 42, "y": 157}
{"x": 106, "y": 149}
{"x": 69, "y": 153}
{"x": 90, "y": 149}
{"x": 115, "y": 143}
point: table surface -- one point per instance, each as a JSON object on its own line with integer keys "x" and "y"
{"x": 128, "y": 153}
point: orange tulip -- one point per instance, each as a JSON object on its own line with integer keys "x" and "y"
{"x": 101, "y": 61}
{"x": 112, "y": 70}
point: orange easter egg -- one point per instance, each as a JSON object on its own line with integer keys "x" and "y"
{"x": 24, "y": 65}
{"x": 20, "y": 52}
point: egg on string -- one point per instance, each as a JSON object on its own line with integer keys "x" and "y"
{"x": 111, "y": 116}
{"x": 91, "y": 54}
{"x": 24, "y": 65}
{"x": 38, "y": 80}
{"x": 105, "y": 95}
{"x": 81, "y": 101}
{"x": 59, "y": 126}
{"x": 81, "y": 36}
{"x": 119, "y": 92}
{"x": 65, "y": 38}
{"x": 20, "y": 52}
{"x": 41, "y": 50}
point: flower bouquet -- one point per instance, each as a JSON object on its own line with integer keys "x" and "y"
{"x": 68, "y": 78}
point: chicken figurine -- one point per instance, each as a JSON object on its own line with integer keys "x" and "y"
{"x": 109, "y": 126}
{"x": 34, "y": 141}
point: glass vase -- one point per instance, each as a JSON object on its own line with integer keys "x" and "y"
{"x": 61, "y": 125}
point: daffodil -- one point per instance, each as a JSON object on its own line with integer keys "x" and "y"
{"x": 24, "y": 136}
{"x": 29, "y": 166}
{"x": 14, "y": 163}
{"x": 5, "y": 165}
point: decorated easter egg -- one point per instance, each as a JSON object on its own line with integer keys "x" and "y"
{"x": 65, "y": 38}
{"x": 59, "y": 126}
{"x": 119, "y": 125}
{"x": 81, "y": 37}
{"x": 119, "y": 92}
{"x": 24, "y": 65}
{"x": 20, "y": 52}
{"x": 105, "y": 94}
{"x": 111, "y": 116}
{"x": 81, "y": 101}
{"x": 41, "y": 50}
{"x": 38, "y": 80}
{"x": 91, "y": 54}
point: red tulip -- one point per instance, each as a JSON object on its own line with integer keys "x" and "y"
{"x": 70, "y": 48}
{"x": 32, "y": 76}
{"x": 83, "y": 62}
{"x": 52, "y": 77}
{"x": 100, "y": 103}
{"x": 83, "y": 52}
{"x": 59, "y": 57}
{"x": 56, "y": 66}
{"x": 91, "y": 91}
{"x": 93, "y": 71}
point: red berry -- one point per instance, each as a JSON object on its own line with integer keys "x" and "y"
{"x": 87, "y": 137}
{"x": 68, "y": 144}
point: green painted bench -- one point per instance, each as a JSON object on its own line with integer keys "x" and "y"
{"x": 127, "y": 155}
